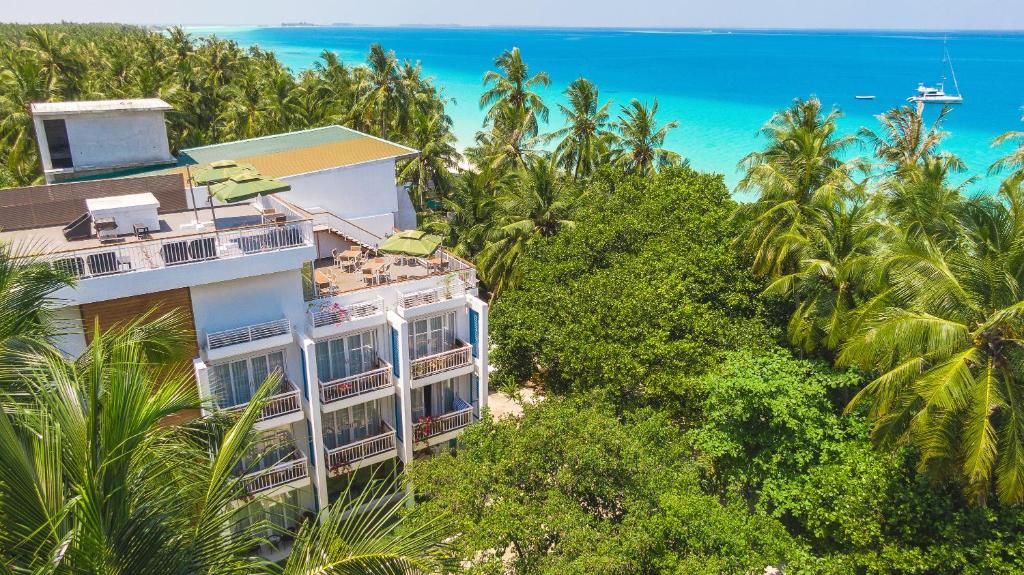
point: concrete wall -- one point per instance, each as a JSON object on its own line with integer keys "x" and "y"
{"x": 230, "y": 304}
{"x": 349, "y": 192}
{"x": 111, "y": 139}
{"x": 68, "y": 321}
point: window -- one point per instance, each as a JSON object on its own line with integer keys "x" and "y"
{"x": 431, "y": 335}
{"x": 419, "y": 408}
{"x": 235, "y": 382}
{"x": 345, "y": 356}
{"x": 57, "y": 142}
{"x": 351, "y": 424}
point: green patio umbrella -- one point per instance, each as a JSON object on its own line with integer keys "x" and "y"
{"x": 411, "y": 243}
{"x": 245, "y": 186}
{"x": 220, "y": 171}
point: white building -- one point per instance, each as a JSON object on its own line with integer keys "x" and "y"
{"x": 384, "y": 358}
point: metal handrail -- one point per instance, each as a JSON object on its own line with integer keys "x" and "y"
{"x": 408, "y": 300}
{"x": 344, "y": 455}
{"x": 284, "y": 472}
{"x": 429, "y": 427}
{"x": 249, "y": 333}
{"x": 353, "y": 385}
{"x": 277, "y": 405}
{"x": 459, "y": 356}
{"x": 327, "y": 311}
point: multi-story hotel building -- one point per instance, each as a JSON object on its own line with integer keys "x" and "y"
{"x": 382, "y": 356}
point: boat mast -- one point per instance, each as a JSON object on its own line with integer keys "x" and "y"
{"x": 952, "y": 72}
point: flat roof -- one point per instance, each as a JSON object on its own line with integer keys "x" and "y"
{"x": 92, "y": 106}
{"x": 172, "y": 224}
{"x": 283, "y": 155}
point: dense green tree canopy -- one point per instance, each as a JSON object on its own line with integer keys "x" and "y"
{"x": 644, "y": 288}
{"x": 570, "y": 488}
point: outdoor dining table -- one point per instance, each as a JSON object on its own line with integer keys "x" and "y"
{"x": 322, "y": 281}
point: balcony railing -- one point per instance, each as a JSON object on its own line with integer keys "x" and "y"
{"x": 329, "y": 312}
{"x": 182, "y": 249}
{"x": 284, "y": 472}
{"x": 345, "y": 455}
{"x": 353, "y": 385}
{"x": 428, "y": 427}
{"x": 249, "y": 333}
{"x": 460, "y": 356}
{"x": 459, "y": 266}
{"x": 346, "y": 228}
{"x": 450, "y": 290}
{"x": 281, "y": 404}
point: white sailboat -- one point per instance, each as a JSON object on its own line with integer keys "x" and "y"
{"x": 937, "y": 94}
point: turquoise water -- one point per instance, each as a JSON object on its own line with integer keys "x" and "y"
{"x": 720, "y": 85}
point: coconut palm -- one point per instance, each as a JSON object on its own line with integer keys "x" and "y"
{"x": 641, "y": 139}
{"x": 511, "y": 88}
{"x": 799, "y": 173}
{"x": 381, "y": 87}
{"x": 27, "y": 287}
{"x": 587, "y": 139}
{"x": 945, "y": 343}
{"x": 1012, "y": 162}
{"x": 92, "y": 479}
{"x": 920, "y": 200}
{"x": 429, "y": 173}
{"x": 905, "y": 140}
{"x": 833, "y": 276}
{"x": 507, "y": 146}
{"x": 535, "y": 204}
{"x": 471, "y": 210}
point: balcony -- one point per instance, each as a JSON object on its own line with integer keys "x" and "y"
{"x": 280, "y": 405}
{"x": 449, "y": 289}
{"x": 359, "y": 385}
{"x": 327, "y": 316}
{"x": 431, "y": 429}
{"x": 444, "y": 363}
{"x": 283, "y": 473}
{"x": 178, "y": 249}
{"x": 348, "y": 457}
{"x": 249, "y": 338}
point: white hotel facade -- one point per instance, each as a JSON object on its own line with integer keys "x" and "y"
{"x": 378, "y": 366}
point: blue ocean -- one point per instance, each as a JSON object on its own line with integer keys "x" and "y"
{"x": 721, "y": 85}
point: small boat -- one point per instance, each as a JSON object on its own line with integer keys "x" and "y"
{"x": 864, "y": 97}
{"x": 937, "y": 94}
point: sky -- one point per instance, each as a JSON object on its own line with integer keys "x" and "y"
{"x": 844, "y": 14}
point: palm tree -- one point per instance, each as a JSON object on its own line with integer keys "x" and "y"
{"x": 92, "y": 479}
{"x": 510, "y": 92}
{"x": 641, "y": 139}
{"x": 798, "y": 174}
{"x": 587, "y": 139}
{"x": 27, "y": 287}
{"x": 919, "y": 200}
{"x": 507, "y": 145}
{"x": 833, "y": 276}
{"x": 429, "y": 172}
{"x": 1014, "y": 161}
{"x": 945, "y": 341}
{"x": 382, "y": 87}
{"x": 471, "y": 211}
{"x": 535, "y": 205}
{"x": 905, "y": 140}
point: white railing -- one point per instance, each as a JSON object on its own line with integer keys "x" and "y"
{"x": 346, "y": 228}
{"x": 456, "y": 265}
{"x": 284, "y": 472}
{"x": 460, "y": 356}
{"x": 345, "y": 455}
{"x": 281, "y": 404}
{"x": 428, "y": 427}
{"x": 328, "y": 311}
{"x": 353, "y": 385}
{"x": 155, "y": 254}
{"x": 246, "y": 334}
{"x": 452, "y": 288}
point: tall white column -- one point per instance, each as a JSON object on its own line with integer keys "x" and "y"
{"x": 398, "y": 345}
{"x": 311, "y": 401}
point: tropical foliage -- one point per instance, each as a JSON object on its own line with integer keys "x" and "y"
{"x": 94, "y": 478}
